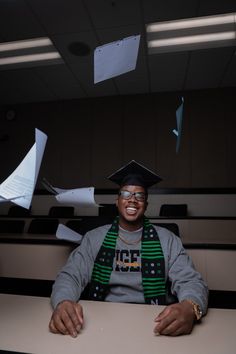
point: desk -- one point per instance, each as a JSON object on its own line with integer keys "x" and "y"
{"x": 109, "y": 328}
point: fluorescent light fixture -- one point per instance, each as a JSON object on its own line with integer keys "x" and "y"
{"x": 192, "y": 34}
{"x": 28, "y": 52}
{"x": 29, "y": 58}
{"x": 29, "y": 43}
{"x": 192, "y": 39}
{"x": 192, "y": 23}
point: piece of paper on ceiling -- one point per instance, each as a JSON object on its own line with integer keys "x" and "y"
{"x": 179, "y": 120}
{"x": 78, "y": 197}
{"x": 19, "y": 186}
{"x": 65, "y": 233}
{"x": 115, "y": 58}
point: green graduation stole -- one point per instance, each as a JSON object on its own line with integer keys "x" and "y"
{"x": 152, "y": 265}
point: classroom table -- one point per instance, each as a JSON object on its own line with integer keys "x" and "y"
{"x": 110, "y": 328}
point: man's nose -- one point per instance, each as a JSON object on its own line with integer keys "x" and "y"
{"x": 133, "y": 197}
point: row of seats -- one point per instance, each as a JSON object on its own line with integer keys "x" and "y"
{"x": 54, "y": 211}
{"x": 49, "y": 226}
{"x": 110, "y": 210}
{"x": 61, "y": 211}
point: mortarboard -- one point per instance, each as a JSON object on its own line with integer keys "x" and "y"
{"x": 134, "y": 174}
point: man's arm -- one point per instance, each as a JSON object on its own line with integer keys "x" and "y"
{"x": 76, "y": 274}
{"x": 67, "y": 317}
{"x": 186, "y": 281}
{"x": 187, "y": 285}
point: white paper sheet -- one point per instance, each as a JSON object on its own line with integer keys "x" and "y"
{"x": 77, "y": 196}
{"x": 19, "y": 186}
{"x": 115, "y": 58}
{"x": 65, "y": 233}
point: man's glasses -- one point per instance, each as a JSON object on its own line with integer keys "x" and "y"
{"x": 139, "y": 196}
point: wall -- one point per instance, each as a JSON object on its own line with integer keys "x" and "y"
{"x": 90, "y": 138}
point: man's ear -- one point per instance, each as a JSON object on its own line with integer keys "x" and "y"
{"x": 146, "y": 205}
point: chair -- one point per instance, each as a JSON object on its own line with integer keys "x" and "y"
{"x": 12, "y": 226}
{"x": 108, "y": 210}
{"x": 43, "y": 226}
{"x": 87, "y": 223}
{"x": 61, "y": 211}
{"x": 16, "y": 210}
{"x": 172, "y": 210}
{"x": 171, "y": 226}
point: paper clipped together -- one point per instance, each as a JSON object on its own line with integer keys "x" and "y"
{"x": 19, "y": 186}
{"x": 115, "y": 58}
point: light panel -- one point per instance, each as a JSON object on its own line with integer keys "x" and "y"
{"x": 29, "y": 43}
{"x": 24, "y": 53}
{"x": 192, "y": 34}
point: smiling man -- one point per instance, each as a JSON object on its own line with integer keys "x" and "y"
{"x": 131, "y": 261}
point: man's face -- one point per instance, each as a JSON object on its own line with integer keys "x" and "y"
{"x": 131, "y": 206}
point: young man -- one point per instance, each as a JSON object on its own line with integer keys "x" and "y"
{"x": 131, "y": 261}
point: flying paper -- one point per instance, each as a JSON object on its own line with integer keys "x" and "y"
{"x": 19, "y": 186}
{"x": 115, "y": 58}
{"x": 77, "y": 196}
{"x": 65, "y": 233}
{"x": 179, "y": 119}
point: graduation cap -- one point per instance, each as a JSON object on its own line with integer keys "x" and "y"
{"x": 134, "y": 174}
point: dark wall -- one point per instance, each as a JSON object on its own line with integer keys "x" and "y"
{"x": 90, "y": 138}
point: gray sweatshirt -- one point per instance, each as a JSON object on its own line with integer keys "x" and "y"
{"x": 126, "y": 277}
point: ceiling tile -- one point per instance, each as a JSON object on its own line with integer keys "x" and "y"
{"x": 216, "y": 7}
{"x": 60, "y": 81}
{"x": 19, "y": 86}
{"x": 115, "y": 13}
{"x": 168, "y": 10}
{"x": 18, "y": 22}
{"x": 207, "y": 68}
{"x": 60, "y": 16}
{"x": 82, "y": 67}
{"x": 167, "y": 71}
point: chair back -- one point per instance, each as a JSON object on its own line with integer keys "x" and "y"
{"x": 12, "y": 226}
{"x": 172, "y": 210}
{"x": 88, "y": 223}
{"x": 108, "y": 210}
{"x": 43, "y": 226}
{"x": 17, "y": 210}
{"x": 61, "y": 211}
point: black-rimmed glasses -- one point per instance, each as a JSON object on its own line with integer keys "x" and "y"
{"x": 139, "y": 196}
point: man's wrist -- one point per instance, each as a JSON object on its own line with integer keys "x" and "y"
{"x": 196, "y": 309}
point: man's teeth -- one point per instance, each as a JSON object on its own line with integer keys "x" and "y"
{"x": 131, "y": 210}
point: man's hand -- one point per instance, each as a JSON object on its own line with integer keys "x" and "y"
{"x": 175, "y": 319}
{"x": 67, "y": 318}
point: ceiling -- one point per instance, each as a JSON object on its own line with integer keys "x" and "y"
{"x": 96, "y": 22}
